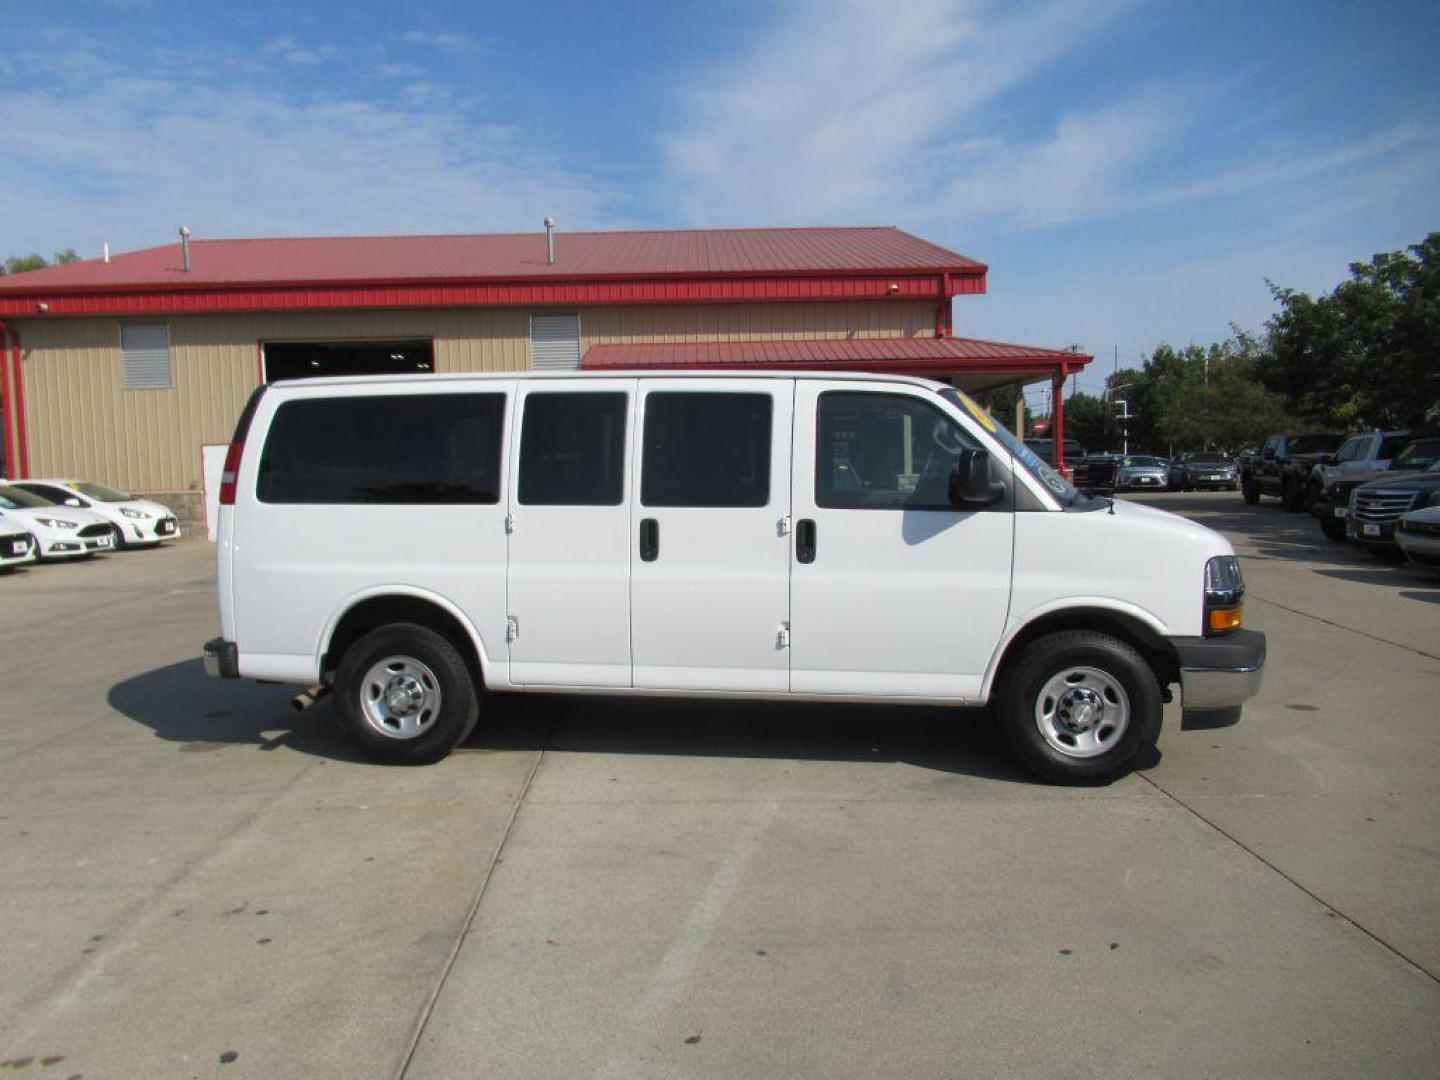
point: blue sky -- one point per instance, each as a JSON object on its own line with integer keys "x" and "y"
{"x": 1132, "y": 171}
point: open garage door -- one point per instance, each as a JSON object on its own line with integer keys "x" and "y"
{"x": 314, "y": 359}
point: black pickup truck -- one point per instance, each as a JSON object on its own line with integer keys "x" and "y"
{"x": 1282, "y": 468}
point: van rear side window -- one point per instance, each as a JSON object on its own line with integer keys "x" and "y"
{"x": 412, "y": 449}
{"x": 572, "y": 449}
{"x": 706, "y": 449}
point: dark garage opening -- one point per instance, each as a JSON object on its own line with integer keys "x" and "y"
{"x": 313, "y": 359}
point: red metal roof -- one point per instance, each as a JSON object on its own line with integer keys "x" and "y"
{"x": 911, "y": 355}
{"x": 397, "y": 260}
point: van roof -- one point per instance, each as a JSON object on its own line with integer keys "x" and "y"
{"x": 451, "y": 378}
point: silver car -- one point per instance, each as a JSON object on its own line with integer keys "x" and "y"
{"x": 1418, "y": 534}
{"x": 1139, "y": 472}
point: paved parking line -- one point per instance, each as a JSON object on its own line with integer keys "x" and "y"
{"x": 1341, "y": 626}
{"x": 423, "y": 1018}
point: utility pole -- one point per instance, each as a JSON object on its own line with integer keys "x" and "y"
{"x": 1125, "y": 416}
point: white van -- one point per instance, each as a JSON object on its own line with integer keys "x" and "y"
{"x": 408, "y": 540}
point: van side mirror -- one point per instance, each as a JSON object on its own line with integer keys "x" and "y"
{"x": 970, "y": 483}
{"x": 73, "y": 502}
{"x": 1268, "y": 453}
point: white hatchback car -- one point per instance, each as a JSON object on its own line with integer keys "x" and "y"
{"x": 62, "y": 532}
{"x": 16, "y": 545}
{"x": 137, "y": 521}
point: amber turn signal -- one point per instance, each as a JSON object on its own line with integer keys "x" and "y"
{"x": 1223, "y": 620}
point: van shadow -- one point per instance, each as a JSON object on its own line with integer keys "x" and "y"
{"x": 957, "y": 741}
{"x": 183, "y": 705}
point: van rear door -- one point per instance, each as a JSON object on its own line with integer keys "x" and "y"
{"x": 710, "y": 559}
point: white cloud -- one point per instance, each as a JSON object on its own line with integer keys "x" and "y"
{"x": 440, "y": 41}
{"x": 844, "y": 110}
{"x": 109, "y": 156}
{"x": 292, "y": 52}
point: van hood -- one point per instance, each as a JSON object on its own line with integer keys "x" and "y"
{"x": 1171, "y": 528}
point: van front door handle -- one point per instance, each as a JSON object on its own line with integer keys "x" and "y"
{"x": 805, "y": 541}
{"x": 649, "y": 540}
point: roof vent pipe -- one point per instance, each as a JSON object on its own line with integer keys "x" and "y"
{"x": 549, "y": 241}
{"x": 185, "y": 247}
{"x": 106, "y": 256}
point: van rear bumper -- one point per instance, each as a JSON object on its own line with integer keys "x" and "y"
{"x": 1220, "y": 672}
{"x": 222, "y": 659}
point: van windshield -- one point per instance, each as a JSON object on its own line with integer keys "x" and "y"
{"x": 1026, "y": 458}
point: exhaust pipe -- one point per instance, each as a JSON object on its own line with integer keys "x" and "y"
{"x": 301, "y": 702}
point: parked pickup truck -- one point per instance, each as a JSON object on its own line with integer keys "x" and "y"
{"x": 1282, "y": 468}
{"x": 1359, "y": 456}
{"x": 1332, "y": 505}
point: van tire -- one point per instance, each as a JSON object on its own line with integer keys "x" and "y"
{"x": 434, "y": 667}
{"x": 1121, "y": 674}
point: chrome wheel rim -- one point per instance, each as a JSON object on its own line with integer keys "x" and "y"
{"x": 400, "y": 697}
{"x": 1082, "y": 712}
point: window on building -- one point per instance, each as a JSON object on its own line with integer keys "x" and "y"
{"x": 885, "y": 452}
{"x": 145, "y": 356}
{"x": 410, "y": 449}
{"x": 706, "y": 449}
{"x": 555, "y": 342}
{"x": 316, "y": 359}
{"x": 572, "y": 450}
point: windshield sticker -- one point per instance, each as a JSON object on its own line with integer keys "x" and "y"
{"x": 976, "y": 411}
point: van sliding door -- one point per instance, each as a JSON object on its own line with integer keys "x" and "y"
{"x": 709, "y": 552}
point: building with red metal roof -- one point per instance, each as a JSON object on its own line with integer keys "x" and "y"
{"x": 121, "y": 369}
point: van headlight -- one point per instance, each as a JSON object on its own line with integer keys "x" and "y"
{"x": 56, "y": 523}
{"x": 1224, "y": 595}
{"x": 131, "y": 512}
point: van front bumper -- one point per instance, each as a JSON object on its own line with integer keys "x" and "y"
{"x": 222, "y": 659}
{"x": 1220, "y": 672}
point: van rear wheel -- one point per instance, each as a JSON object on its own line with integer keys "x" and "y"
{"x": 1080, "y": 706}
{"x": 405, "y": 695}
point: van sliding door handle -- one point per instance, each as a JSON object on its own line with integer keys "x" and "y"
{"x": 805, "y": 541}
{"x": 649, "y": 540}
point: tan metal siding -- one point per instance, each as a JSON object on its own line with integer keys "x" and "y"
{"x": 749, "y": 322}
{"x": 82, "y": 423}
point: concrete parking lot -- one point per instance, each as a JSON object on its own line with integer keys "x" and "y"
{"x": 200, "y": 882}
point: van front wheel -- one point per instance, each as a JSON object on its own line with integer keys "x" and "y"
{"x": 405, "y": 696}
{"x": 1079, "y": 706}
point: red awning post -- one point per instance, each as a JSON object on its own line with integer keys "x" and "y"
{"x": 1057, "y": 413}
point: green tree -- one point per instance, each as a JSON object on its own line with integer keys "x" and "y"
{"x": 1213, "y": 398}
{"x": 19, "y": 264}
{"x": 1368, "y": 353}
{"x": 1091, "y": 422}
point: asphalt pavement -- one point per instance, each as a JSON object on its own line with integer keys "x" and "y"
{"x": 200, "y": 882}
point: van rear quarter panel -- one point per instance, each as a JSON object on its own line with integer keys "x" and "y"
{"x": 297, "y": 567}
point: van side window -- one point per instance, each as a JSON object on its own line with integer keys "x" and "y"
{"x": 705, "y": 449}
{"x": 572, "y": 449}
{"x": 413, "y": 449}
{"x": 885, "y": 452}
